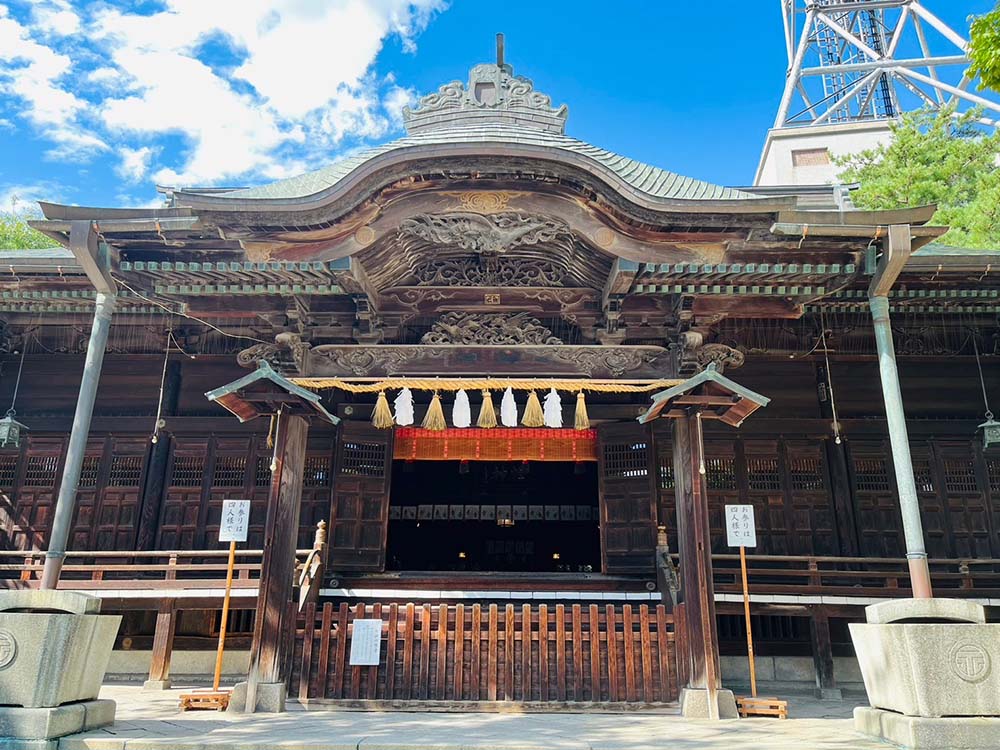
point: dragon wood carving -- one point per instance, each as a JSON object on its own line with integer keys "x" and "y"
{"x": 504, "y": 329}
{"x": 494, "y": 272}
{"x": 489, "y": 234}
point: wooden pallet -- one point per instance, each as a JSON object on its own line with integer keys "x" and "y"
{"x": 762, "y": 707}
{"x": 206, "y": 699}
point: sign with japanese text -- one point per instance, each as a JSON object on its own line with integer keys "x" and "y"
{"x": 740, "y": 528}
{"x": 366, "y": 643}
{"x": 235, "y": 521}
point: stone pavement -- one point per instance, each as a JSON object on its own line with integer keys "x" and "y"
{"x": 151, "y": 721}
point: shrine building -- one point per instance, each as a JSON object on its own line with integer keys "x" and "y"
{"x": 496, "y": 385}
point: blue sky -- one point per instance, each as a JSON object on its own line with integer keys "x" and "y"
{"x": 101, "y": 100}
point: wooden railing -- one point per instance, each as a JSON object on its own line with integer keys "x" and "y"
{"x": 136, "y": 570}
{"x": 853, "y": 576}
{"x": 455, "y": 652}
{"x": 808, "y": 575}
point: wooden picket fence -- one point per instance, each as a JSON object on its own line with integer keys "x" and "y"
{"x": 489, "y": 653}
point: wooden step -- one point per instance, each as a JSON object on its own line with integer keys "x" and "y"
{"x": 762, "y": 707}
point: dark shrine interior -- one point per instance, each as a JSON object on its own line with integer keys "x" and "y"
{"x": 504, "y": 516}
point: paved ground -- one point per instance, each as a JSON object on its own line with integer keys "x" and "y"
{"x": 151, "y": 721}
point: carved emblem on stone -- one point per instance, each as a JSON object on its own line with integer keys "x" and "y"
{"x": 723, "y": 356}
{"x": 970, "y": 662}
{"x": 485, "y": 234}
{"x": 8, "y": 649}
{"x": 504, "y": 329}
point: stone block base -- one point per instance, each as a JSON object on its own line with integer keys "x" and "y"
{"x": 270, "y": 697}
{"x": 694, "y": 704}
{"x": 154, "y": 685}
{"x": 952, "y": 733}
{"x": 829, "y": 694}
{"x": 48, "y": 723}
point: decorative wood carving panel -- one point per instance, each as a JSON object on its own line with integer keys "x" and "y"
{"x": 585, "y": 361}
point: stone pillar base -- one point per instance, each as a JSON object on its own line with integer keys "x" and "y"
{"x": 153, "y": 685}
{"x": 47, "y": 723}
{"x": 829, "y": 694}
{"x": 966, "y": 732}
{"x": 694, "y": 704}
{"x": 271, "y": 697}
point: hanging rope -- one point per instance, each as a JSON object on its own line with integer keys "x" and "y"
{"x": 982, "y": 380}
{"x": 829, "y": 378}
{"x": 163, "y": 379}
{"x": 17, "y": 382}
{"x": 495, "y": 384}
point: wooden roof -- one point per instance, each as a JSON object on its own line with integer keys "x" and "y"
{"x": 712, "y": 394}
{"x": 264, "y": 392}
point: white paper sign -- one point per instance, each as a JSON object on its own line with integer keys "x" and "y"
{"x": 740, "y": 528}
{"x": 235, "y": 521}
{"x": 366, "y": 643}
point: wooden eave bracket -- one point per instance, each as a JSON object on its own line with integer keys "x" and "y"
{"x": 95, "y": 257}
{"x": 895, "y": 253}
{"x": 715, "y": 395}
{"x": 620, "y": 280}
{"x": 264, "y": 391}
{"x": 353, "y": 279}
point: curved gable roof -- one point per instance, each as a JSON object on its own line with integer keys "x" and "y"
{"x": 652, "y": 181}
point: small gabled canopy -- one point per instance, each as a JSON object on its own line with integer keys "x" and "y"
{"x": 263, "y": 392}
{"x": 716, "y": 396}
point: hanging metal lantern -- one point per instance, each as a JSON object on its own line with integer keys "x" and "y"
{"x": 11, "y": 430}
{"x": 991, "y": 431}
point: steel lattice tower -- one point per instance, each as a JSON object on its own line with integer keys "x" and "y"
{"x": 868, "y": 60}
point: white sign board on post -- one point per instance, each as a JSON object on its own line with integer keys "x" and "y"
{"x": 366, "y": 643}
{"x": 235, "y": 521}
{"x": 740, "y": 528}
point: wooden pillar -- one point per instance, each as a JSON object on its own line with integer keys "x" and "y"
{"x": 822, "y": 651}
{"x": 266, "y": 678}
{"x": 694, "y": 542}
{"x": 163, "y": 647}
{"x": 157, "y": 459}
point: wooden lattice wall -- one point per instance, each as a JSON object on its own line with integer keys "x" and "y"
{"x": 487, "y": 653}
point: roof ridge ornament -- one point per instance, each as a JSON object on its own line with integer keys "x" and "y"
{"x": 493, "y": 96}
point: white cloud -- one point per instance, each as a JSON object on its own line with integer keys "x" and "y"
{"x": 23, "y": 199}
{"x": 394, "y": 101}
{"x": 55, "y": 17}
{"x": 134, "y": 162}
{"x": 254, "y": 88}
{"x": 33, "y": 73}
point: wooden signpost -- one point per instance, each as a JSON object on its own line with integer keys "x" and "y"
{"x": 741, "y": 531}
{"x": 232, "y": 528}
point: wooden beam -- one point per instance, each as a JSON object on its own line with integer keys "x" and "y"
{"x": 93, "y": 256}
{"x": 352, "y": 277}
{"x": 895, "y": 253}
{"x": 620, "y": 279}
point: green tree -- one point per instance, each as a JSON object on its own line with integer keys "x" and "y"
{"x": 935, "y": 157}
{"x": 984, "y": 49}
{"x": 15, "y": 234}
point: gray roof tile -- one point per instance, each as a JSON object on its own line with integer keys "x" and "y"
{"x": 653, "y": 181}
